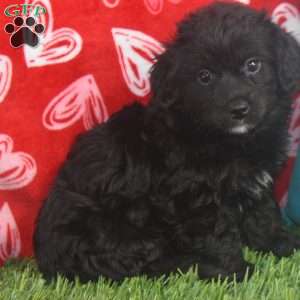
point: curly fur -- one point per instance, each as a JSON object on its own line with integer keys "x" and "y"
{"x": 170, "y": 185}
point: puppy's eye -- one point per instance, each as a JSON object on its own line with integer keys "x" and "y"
{"x": 252, "y": 66}
{"x": 205, "y": 77}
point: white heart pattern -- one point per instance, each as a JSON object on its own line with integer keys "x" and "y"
{"x": 5, "y": 76}
{"x": 136, "y": 53}
{"x": 17, "y": 169}
{"x": 81, "y": 99}
{"x": 283, "y": 201}
{"x": 111, "y": 3}
{"x": 244, "y": 1}
{"x": 56, "y": 46}
{"x": 294, "y": 129}
{"x": 287, "y": 16}
{"x": 154, "y": 6}
{"x": 10, "y": 241}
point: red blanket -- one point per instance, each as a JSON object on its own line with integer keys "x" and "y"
{"x": 93, "y": 57}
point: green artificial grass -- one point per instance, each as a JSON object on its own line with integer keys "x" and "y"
{"x": 274, "y": 279}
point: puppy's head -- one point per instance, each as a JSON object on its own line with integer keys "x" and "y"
{"x": 229, "y": 69}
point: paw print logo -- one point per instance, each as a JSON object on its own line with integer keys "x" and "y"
{"x": 24, "y": 32}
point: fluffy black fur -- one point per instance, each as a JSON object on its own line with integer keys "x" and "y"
{"x": 188, "y": 179}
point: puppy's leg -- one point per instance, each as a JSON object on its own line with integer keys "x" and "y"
{"x": 219, "y": 255}
{"x": 225, "y": 249}
{"x": 207, "y": 267}
{"x": 77, "y": 237}
{"x": 262, "y": 230}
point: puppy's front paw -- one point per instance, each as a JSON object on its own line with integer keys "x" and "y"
{"x": 246, "y": 272}
{"x": 286, "y": 246}
{"x": 238, "y": 275}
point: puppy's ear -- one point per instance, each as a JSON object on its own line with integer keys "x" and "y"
{"x": 288, "y": 58}
{"x": 163, "y": 78}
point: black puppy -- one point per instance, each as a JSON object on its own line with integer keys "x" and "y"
{"x": 187, "y": 180}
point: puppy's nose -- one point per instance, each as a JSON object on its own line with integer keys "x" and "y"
{"x": 239, "y": 110}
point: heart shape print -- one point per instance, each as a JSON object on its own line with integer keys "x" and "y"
{"x": 10, "y": 241}
{"x": 81, "y": 99}
{"x": 17, "y": 169}
{"x": 111, "y": 3}
{"x": 56, "y": 46}
{"x": 294, "y": 129}
{"x": 154, "y": 6}
{"x": 136, "y": 53}
{"x": 5, "y": 76}
{"x": 287, "y": 16}
{"x": 244, "y": 1}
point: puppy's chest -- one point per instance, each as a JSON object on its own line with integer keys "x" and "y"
{"x": 191, "y": 190}
{"x": 244, "y": 187}
{"x": 194, "y": 202}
